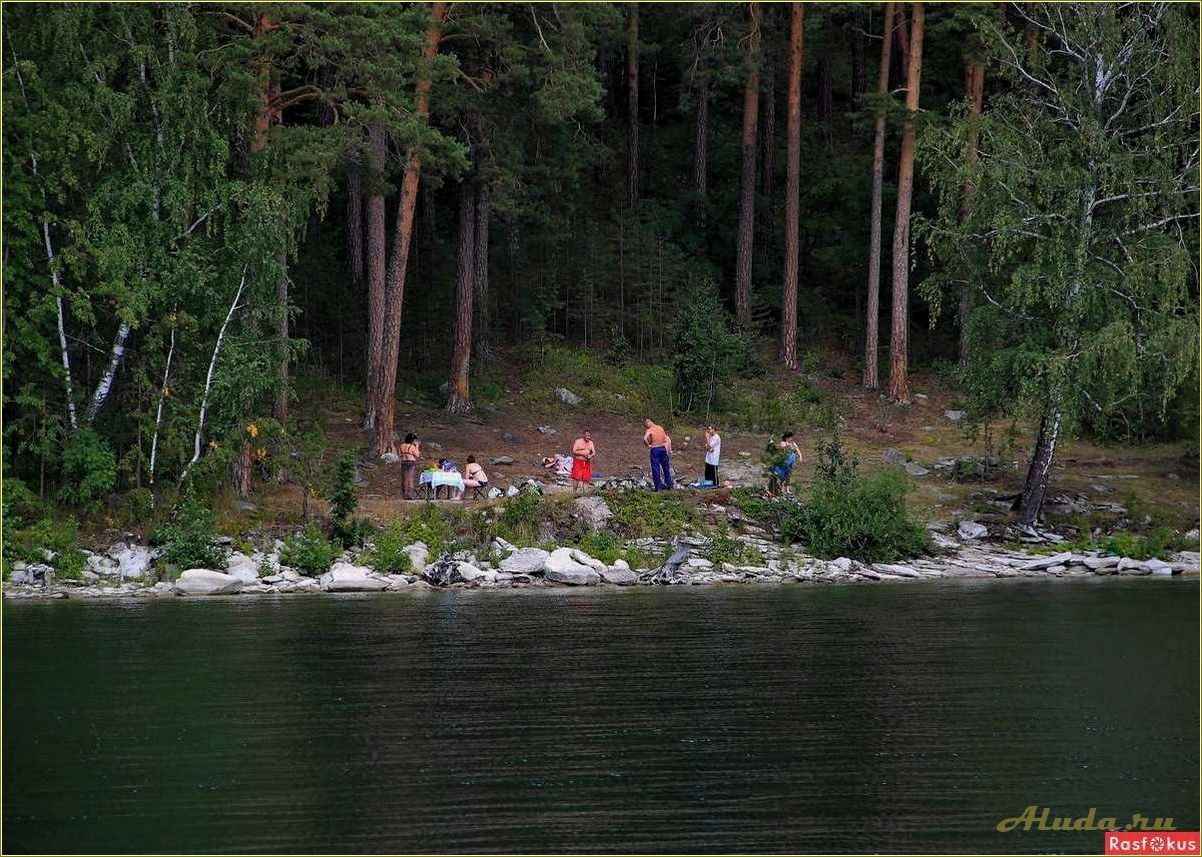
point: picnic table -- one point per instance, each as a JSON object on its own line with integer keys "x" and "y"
{"x": 429, "y": 481}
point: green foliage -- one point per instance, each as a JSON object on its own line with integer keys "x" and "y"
{"x": 630, "y": 389}
{"x": 139, "y": 506}
{"x": 862, "y": 517}
{"x": 706, "y": 350}
{"x": 605, "y": 546}
{"x": 89, "y": 468}
{"x": 388, "y": 554}
{"x": 70, "y": 563}
{"x": 309, "y": 551}
{"x": 519, "y": 518}
{"x": 344, "y": 499}
{"x": 1077, "y": 269}
{"x": 723, "y": 548}
{"x": 427, "y": 523}
{"x": 651, "y": 513}
{"x": 190, "y": 541}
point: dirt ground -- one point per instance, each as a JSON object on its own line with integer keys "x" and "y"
{"x": 1156, "y": 474}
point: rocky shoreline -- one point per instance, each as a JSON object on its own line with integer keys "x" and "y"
{"x": 125, "y": 570}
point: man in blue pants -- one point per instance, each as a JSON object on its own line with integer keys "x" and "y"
{"x": 657, "y": 440}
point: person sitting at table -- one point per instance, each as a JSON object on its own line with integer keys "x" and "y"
{"x": 474, "y": 475}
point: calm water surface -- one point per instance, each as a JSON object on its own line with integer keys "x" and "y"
{"x": 870, "y": 718}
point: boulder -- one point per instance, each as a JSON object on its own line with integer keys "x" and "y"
{"x": 954, "y": 416}
{"x": 593, "y": 512}
{"x": 1157, "y": 566}
{"x": 391, "y": 457}
{"x": 895, "y": 456}
{"x": 244, "y": 568}
{"x": 132, "y": 561}
{"x": 525, "y": 561}
{"x": 567, "y": 396}
{"x": 915, "y": 469}
{"x": 501, "y": 459}
{"x": 897, "y": 570}
{"x": 1100, "y": 563}
{"x": 562, "y": 567}
{"x": 842, "y": 563}
{"x": 618, "y": 576}
{"x": 578, "y": 575}
{"x": 972, "y": 530}
{"x": 584, "y": 559}
{"x": 512, "y": 491}
{"x": 205, "y": 581}
{"x": 494, "y": 492}
{"x": 546, "y": 430}
{"x": 1133, "y": 567}
{"x": 344, "y": 577}
{"x": 419, "y": 555}
{"x": 465, "y": 572}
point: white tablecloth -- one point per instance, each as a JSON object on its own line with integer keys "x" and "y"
{"x": 440, "y": 478}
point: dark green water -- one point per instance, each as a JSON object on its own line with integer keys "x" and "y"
{"x": 873, "y": 718}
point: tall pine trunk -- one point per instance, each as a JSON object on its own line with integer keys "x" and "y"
{"x": 767, "y": 135}
{"x": 873, "y": 312}
{"x": 354, "y": 222}
{"x": 788, "y": 341}
{"x": 701, "y": 131}
{"x": 899, "y": 382}
{"x": 746, "y": 234}
{"x": 480, "y": 277}
{"x": 399, "y": 263}
{"x": 974, "y": 85}
{"x": 459, "y": 396}
{"x": 377, "y": 252}
{"x": 632, "y": 105}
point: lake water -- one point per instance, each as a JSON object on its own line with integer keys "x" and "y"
{"x": 867, "y": 718}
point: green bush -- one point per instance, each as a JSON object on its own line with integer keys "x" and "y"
{"x": 139, "y": 505}
{"x": 344, "y": 499}
{"x": 388, "y": 555}
{"x": 864, "y": 518}
{"x": 724, "y": 548}
{"x": 519, "y": 518}
{"x": 608, "y": 548}
{"x": 190, "y": 541}
{"x": 650, "y": 513}
{"x": 309, "y": 551}
{"x": 70, "y": 563}
{"x": 428, "y": 524}
{"x": 89, "y": 468}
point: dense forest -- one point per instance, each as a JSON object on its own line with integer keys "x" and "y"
{"x": 209, "y": 207}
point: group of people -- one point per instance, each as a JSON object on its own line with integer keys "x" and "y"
{"x": 410, "y": 452}
{"x": 659, "y": 446}
{"x": 579, "y": 465}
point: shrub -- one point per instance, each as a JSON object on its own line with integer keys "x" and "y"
{"x": 344, "y": 499}
{"x": 658, "y": 513}
{"x": 602, "y": 545}
{"x": 724, "y": 548}
{"x": 309, "y": 551}
{"x": 70, "y": 563}
{"x": 427, "y": 524}
{"x": 190, "y": 541}
{"x": 848, "y": 515}
{"x": 519, "y": 518}
{"x": 89, "y": 468}
{"x": 388, "y": 555}
{"x": 139, "y": 505}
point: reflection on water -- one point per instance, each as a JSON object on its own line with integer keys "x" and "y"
{"x": 870, "y": 718}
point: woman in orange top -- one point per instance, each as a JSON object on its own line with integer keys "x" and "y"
{"x": 582, "y": 461}
{"x": 410, "y": 451}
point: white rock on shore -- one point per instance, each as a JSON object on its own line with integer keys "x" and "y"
{"x": 344, "y": 577}
{"x": 562, "y": 567}
{"x": 205, "y": 581}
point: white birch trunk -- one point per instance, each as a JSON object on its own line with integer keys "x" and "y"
{"x": 204, "y": 399}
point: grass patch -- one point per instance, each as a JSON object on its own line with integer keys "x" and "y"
{"x": 608, "y": 548}
{"x": 724, "y": 548}
{"x": 626, "y": 389}
{"x": 656, "y": 513}
{"x": 388, "y": 554}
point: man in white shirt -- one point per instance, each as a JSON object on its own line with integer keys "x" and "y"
{"x": 713, "y": 452}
